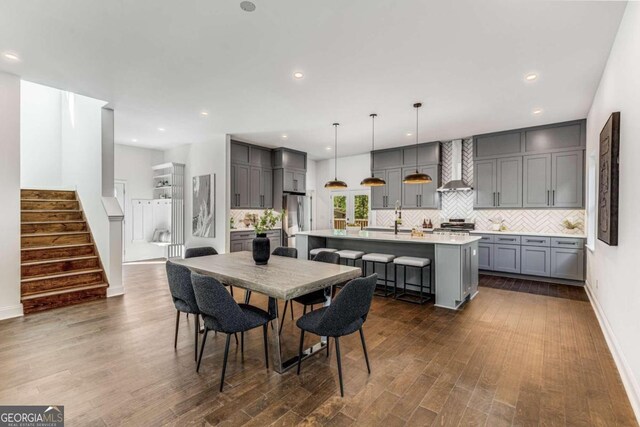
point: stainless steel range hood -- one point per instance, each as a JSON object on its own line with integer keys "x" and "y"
{"x": 456, "y": 183}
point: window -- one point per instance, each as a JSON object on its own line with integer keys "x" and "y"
{"x": 350, "y": 207}
{"x": 592, "y": 196}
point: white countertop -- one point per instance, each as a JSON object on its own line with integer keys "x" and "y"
{"x": 531, "y": 233}
{"x": 390, "y": 237}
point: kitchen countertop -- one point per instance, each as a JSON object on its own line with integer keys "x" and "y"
{"x": 390, "y": 237}
{"x": 530, "y": 233}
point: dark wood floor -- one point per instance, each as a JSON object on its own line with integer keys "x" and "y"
{"x": 532, "y": 357}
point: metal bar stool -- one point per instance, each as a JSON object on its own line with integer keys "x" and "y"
{"x": 347, "y": 255}
{"x": 384, "y": 259}
{"x": 316, "y": 251}
{"x": 421, "y": 264}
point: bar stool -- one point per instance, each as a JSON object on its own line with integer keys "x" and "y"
{"x": 347, "y": 255}
{"x": 316, "y": 251}
{"x": 384, "y": 259}
{"x": 420, "y": 264}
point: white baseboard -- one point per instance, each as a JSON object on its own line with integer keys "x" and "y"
{"x": 11, "y": 311}
{"x": 628, "y": 379}
{"x": 114, "y": 292}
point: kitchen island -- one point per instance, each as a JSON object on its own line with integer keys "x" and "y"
{"x": 454, "y": 258}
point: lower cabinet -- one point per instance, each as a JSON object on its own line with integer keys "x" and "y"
{"x": 507, "y": 258}
{"x": 243, "y": 240}
{"x": 536, "y": 261}
{"x": 485, "y": 256}
{"x": 567, "y": 263}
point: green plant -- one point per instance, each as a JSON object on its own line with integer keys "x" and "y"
{"x": 571, "y": 225}
{"x": 267, "y": 221}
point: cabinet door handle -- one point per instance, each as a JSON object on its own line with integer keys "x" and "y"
{"x": 494, "y": 198}
{"x": 566, "y": 243}
{"x": 547, "y": 197}
{"x": 420, "y": 200}
{"x": 553, "y": 198}
{"x": 498, "y": 198}
{"x": 417, "y": 200}
{"x": 535, "y": 241}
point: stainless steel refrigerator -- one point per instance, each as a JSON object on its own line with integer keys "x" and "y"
{"x": 297, "y": 217}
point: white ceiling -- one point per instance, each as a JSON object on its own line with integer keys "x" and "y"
{"x": 161, "y": 62}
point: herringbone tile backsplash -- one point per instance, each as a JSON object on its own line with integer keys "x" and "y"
{"x": 460, "y": 205}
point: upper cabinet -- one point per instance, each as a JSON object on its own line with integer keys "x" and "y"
{"x": 292, "y": 175}
{"x": 539, "y": 167}
{"x": 251, "y": 176}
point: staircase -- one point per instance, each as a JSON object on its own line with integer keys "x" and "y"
{"x": 60, "y": 265}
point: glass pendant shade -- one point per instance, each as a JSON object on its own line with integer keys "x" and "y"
{"x": 417, "y": 177}
{"x": 335, "y": 183}
{"x": 373, "y": 181}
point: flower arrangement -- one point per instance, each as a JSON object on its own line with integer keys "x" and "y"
{"x": 570, "y": 224}
{"x": 267, "y": 221}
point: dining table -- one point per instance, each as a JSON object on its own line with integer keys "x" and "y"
{"x": 282, "y": 278}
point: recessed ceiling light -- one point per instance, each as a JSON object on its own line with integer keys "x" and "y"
{"x": 409, "y": 134}
{"x": 134, "y": 140}
{"x": 204, "y": 114}
{"x": 247, "y": 6}
{"x": 537, "y": 111}
{"x": 161, "y": 129}
{"x": 298, "y": 75}
{"x": 531, "y": 77}
{"x": 284, "y": 137}
{"x": 328, "y": 148}
{"x": 11, "y": 56}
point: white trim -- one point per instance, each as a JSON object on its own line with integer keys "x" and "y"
{"x": 628, "y": 380}
{"x": 115, "y": 291}
{"x": 11, "y": 311}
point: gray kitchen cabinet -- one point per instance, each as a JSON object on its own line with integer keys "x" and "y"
{"x": 378, "y": 193}
{"x": 536, "y": 190}
{"x": 507, "y": 258}
{"x": 393, "y": 187}
{"x": 428, "y": 154}
{"x": 294, "y": 181}
{"x": 255, "y": 187}
{"x": 243, "y": 240}
{"x": 559, "y": 136}
{"x": 428, "y": 192}
{"x": 267, "y": 188}
{"x": 484, "y": 182}
{"x": 509, "y": 182}
{"x": 260, "y": 157}
{"x": 386, "y": 159}
{"x": 251, "y": 176}
{"x": 485, "y": 256}
{"x": 497, "y": 144}
{"x": 284, "y": 158}
{"x": 567, "y": 179}
{"x": 410, "y": 193}
{"x": 567, "y": 263}
{"x": 240, "y": 186}
{"x": 240, "y": 153}
{"x": 236, "y": 246}
{"x": 536, "y": 261}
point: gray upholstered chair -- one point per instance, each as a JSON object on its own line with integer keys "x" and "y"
{"x": 198, "y": 252}
{"x": 184, "y": 299}
{"x": 344, "y": 316}
{"x": 221, "y": 313}
{"x": 288, "y": 252}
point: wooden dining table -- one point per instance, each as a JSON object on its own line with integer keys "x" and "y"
{"x": 282, "y": 278}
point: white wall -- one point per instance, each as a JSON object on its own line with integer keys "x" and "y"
{"x": 351, "y": 170}
{"x": 10, "y": 195}
{"x": 612, "y": 272}
{"x": 133, "y": 165}
{"x": 40, "y": 136}
{"x": 211, "y": 157}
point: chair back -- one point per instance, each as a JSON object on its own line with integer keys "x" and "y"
{"x": 288, "y": 252}
{"x": 179, "y": 278}
{"x": 214, "y": 301}
{"x": 328, "y": 257}
{"x": 197, "y": 252}
{"x": 352, "y": 303}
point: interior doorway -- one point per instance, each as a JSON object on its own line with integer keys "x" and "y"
{"x": 120, "y": 193}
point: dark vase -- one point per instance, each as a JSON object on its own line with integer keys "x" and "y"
{"x": 261, "y": 249}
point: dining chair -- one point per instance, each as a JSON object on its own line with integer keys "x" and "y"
{"x": 346, "y": 315}
{"x": 202, "y": 251}
{"x": 313, "y": 298}
{"x": 184, "y": 299}
{"x": 221, "y": 313}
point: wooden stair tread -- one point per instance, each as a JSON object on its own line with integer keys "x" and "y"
{"x": 65, "y": 291}
{"x": 59, "y": 233}
{"x": 62, "y": 221}
{"x": 59, "y": 275}
{"x": 50, "y": 210}
{"x": 48, "y": 200}
{"x": 74, "y": 245}
{"x": 51, "y": 261}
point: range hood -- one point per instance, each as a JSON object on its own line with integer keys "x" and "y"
{"x": 456, "y": 183}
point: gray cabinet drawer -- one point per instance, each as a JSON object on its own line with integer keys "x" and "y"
{"x": 507, "y": 258}
{"x": 507, "y": 240}
{"x": 236, "y": 246}
{"x": 485, "y": 256}
{"x": 567, "y": 263}
{"x": 486, "y": 238}
{"x": 567, "y": 242}
{"x": 536, "y": 261}
{"x": 242, "y": 235}
{"x": 536, "y": 241}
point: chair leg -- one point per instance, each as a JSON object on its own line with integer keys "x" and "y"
{"x": 197, "y": 322}
{"x": 284, "y": 312}
{"x": 236, "y": 335}
{"x": 300, "y": 349}
{"x": 266, "y": 347}
{"x": 291, "y": 309}
{"x": 231, "y": 290}
{"x": 364, "y": 348}
{"x": 175, "y": 340}
{"x": 247, "y": 296}
{"x": 204, "y": 340}
{"x": 242, "y": 344}
{"x": 224, "y": 363}
{"x": 339, "y": 365}
{"x": 328, "y": 345}
{"x": 304, "y": 310}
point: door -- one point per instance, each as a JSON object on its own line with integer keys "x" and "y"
{"x": 255, "y": 188}
{"x": 428, "y": 194}
{"x": 378, "y": 193}
{"x": 120, "y": 193}
{"x": 288, "y": 180}
{"x": 339, "y": 210}
{"x": 507, "y": 258}
{"x": 299, "y": 184}
{"x": 484, "y": 181}
{"x": 485, "y": 256}
{"x": 236, "y": 246}
{"x": 240, "y": 184}
{"x": 267, "y": 188}
{"x": 509, "y": 182}
{"x": 567, "y": 179}
{"x": 410, "y": 192}
{"x": 536, "y": 261}
{"x": 350, "y": 207}
{"x": 393, "y": 187}
{"x": 536, "y": 192}
{"x": 567, "y": 263}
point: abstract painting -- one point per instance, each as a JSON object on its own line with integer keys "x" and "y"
{"x": 609, "y": 170}
{"x": 203, "y": 213}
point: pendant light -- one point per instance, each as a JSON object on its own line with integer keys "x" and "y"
{"x": 417, "y": 177}
{"x": 335, "y": 184}
{"x": 373, "y": 181}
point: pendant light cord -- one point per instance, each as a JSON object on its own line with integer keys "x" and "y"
{"x": 335, "y": 167}
{"x": 417, "y": 116}
{"x": 373, "y": 133}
